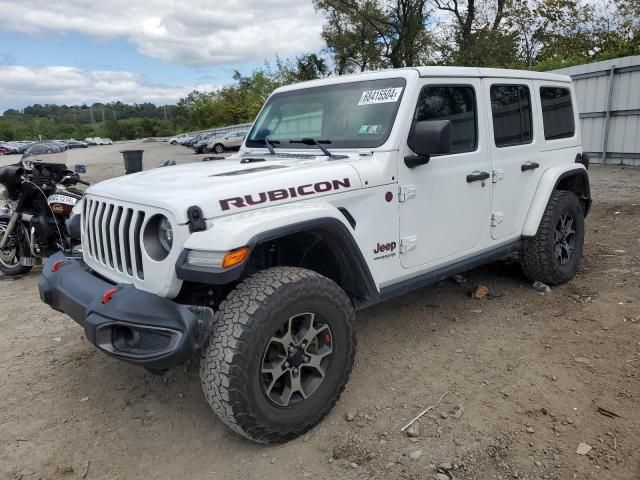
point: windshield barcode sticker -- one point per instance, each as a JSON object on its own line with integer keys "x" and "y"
{"x": 383, "y": 95}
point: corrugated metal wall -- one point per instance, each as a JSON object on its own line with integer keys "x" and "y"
{"x": 609, "y": 104}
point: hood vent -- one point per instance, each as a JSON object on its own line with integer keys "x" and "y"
{"x": 249, "y": 170}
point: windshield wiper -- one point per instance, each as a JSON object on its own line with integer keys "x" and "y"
{"x": 269, "y": 144}
{"x": 319, "y": 144}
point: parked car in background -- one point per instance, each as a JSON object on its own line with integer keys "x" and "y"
{"x": 45, "y": 148}
{"x": 195, "y": 139}
{"x": 179, "y": 139}
{"x": 23, "y": 145}
{"x": 58, "y": 143}
{"x": 91, "y": 140}
{"x": 72, "y": 143}
{"x": 201, "y": 146}
{"x": 231, "y": 141}
{"x": 105, "y": 141}
{"x": 7, "y": 148}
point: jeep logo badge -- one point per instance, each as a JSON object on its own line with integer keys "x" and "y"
{"x": 384, "y": 247}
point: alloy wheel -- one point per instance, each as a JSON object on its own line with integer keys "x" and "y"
{"x": 564, "y": 239}
{"x": 296, "y": 359}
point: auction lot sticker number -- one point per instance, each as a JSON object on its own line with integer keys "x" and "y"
{"x": 382, "y": 95}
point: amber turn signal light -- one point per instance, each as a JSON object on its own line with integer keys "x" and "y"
{"x": 235, "y": 257}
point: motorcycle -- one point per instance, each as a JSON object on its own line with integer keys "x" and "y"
{"x": 37, "y": 197}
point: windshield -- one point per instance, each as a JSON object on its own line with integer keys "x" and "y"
{"x": 346, "y": 115}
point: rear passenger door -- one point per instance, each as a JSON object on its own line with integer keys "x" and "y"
{"x": 514, "y": 141}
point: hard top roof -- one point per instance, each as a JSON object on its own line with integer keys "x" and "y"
{"x": 453, "y": 72}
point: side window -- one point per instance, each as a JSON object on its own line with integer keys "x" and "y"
{"x": 454, "y": 103}
{"x": 511, "y": 110}
{"x": 557, "y": 113}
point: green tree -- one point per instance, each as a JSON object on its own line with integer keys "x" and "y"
{"x": 479, "y": 32}
{"x": 369, "y": 34}
{"x": 310, "y": 67}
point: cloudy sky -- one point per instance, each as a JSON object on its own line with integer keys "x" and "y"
{"x": 82, "y": 51}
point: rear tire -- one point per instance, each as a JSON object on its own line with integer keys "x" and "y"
{"x": 260, "y": 387}
{"x": 218, "y": 148}
{"x": 553, "y": 256}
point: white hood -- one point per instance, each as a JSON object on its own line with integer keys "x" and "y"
{"x": 221, "y": 187}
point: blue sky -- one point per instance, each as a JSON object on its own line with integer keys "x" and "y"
{"x": 78, "y": 51}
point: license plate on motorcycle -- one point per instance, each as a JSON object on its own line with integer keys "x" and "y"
{"x": 58, "y": 198}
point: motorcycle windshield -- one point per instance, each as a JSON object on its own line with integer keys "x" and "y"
{"x": 46, "y": 151}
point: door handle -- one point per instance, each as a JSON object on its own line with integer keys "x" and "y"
{"x": 477, "y": 176}
{"x": 529, "y": 166}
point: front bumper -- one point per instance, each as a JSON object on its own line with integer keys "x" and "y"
{"x": 134, "y": 325}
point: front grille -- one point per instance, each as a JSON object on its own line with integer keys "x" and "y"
{"x": 112, "y": 236}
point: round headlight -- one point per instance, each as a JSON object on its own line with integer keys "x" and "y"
{"x": 166, "y": 234}
{"x": 158, "y": 237}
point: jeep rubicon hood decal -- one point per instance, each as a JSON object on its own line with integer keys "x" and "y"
{"x": 284, "y": 194}
{"x": 224, "y": 187}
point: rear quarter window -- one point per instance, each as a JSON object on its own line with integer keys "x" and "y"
{"x": 557, "y": 113}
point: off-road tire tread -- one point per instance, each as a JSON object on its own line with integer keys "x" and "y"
{"x": 535, "y": 261}
{"x": 223, "y": 378}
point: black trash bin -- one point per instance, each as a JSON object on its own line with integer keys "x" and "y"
{"x": 132, "y": 160}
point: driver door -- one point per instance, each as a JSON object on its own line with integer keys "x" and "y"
{"x": 444, "y": 214}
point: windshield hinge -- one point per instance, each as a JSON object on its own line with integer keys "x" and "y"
{"x": 406, "y": 192}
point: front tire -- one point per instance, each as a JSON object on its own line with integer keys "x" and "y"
{"x": 218, "y": 148}
{"x": 9, "y": 258}
{"x": 553, "y": 256}
{"x": 280, "y": 354}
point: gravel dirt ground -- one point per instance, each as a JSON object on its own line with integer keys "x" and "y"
{"x": 515, "y": 379}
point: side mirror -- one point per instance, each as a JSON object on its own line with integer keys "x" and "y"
{"x": 80, "y": 168}
{"x": 429, "y": 137}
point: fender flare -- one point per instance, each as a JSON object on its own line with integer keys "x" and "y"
{"x": 327, "y": 222}
{"x": 550, "y": 180}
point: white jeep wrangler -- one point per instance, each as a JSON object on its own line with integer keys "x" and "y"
{"x": 346, "y": 192}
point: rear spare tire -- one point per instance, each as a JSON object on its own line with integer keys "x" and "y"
{"x": 280, "y": 354}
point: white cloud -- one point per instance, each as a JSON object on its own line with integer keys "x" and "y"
{"x": 189, "y": 32}
{"x": 21, "y": 86}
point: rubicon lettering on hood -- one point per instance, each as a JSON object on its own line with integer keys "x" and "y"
{"x": 284, "y": 193}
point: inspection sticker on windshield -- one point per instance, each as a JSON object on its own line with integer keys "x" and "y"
{"x": 382, "y": 95}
